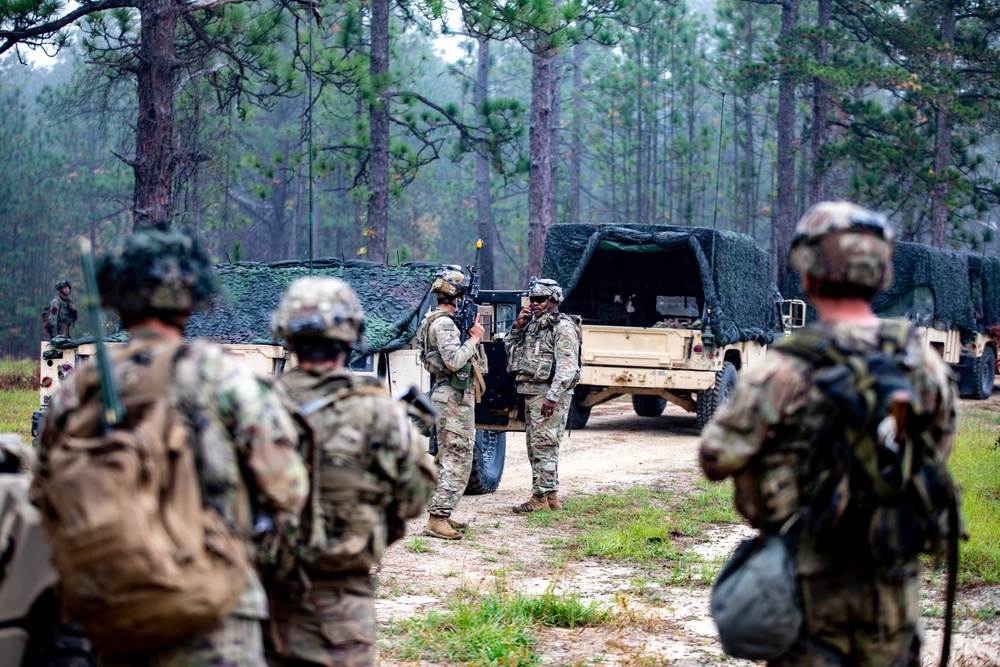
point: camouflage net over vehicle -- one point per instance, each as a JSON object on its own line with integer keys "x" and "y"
{"x": 936, "y": 288}
{"x": 393, "y": 298}
{"x": 601, "y": 266}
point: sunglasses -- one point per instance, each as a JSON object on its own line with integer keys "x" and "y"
{"x": 538, "y": 299}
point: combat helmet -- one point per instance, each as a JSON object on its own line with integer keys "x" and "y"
{"x": 449, "y": 282}
{"x": 841, "y": 242}
{"x": 157, "y": 270}
{"x": 545, "y": 287}
{"x": 318, "y": 307}
{"x": 63, "y": 283}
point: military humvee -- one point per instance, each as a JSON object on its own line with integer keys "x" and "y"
{"x": 668, "y": 314}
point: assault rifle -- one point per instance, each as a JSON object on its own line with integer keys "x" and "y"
{"x": 112, "y": 408}
{"x": 465, "y": 313}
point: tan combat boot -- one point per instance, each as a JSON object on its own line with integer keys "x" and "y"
{"x": 534, "y": 504}
{"x": 457, "y": 525}
{"x": 437, "y": 526}
{"x": 553, "y": 500}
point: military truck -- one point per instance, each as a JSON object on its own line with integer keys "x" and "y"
{"x": 669, "y": 314}
{"x": 954, "y": 299}
{"x": 395, "y": 298}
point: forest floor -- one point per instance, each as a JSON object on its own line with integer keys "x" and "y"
{"x": 505, "y": 551}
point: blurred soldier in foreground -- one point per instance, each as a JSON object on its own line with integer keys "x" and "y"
{"x": 543, "y": 353}
{"x": 861, "y": 607}
{"x": 368, "y": 476}
{"x": 210, "y": 433}
{"x": 449, "y": 362}
{"x": 60, "y": 315}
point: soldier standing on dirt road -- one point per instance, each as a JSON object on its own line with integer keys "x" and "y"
{"x": 543, "y": 352}
{"x": 369, "y": 475}
{"x": 60, "y": 315}
{"x": 235, "y": 424}
{"x": 856, "y": 612}
{"x": 449, "y": 362}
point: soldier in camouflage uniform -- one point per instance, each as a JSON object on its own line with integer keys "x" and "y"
{"x": 60, "y": 315}
{"x": 855, "y": 612}
{"x": 369, "y": 475}
{"x": 449, "y": 362}
{"x": 246, "y": 437}
{"x": 543, "y": 353}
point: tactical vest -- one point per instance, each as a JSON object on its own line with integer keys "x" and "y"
{"x": 430, "y": 356}
{"x": 533, "y": 358}
{"x": 343, "y": 525}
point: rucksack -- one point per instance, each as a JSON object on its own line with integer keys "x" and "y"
{"x": 142, "y": 560}
{"x": 878, "y": 478}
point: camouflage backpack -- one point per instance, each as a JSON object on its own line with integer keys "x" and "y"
{"x": 143, "y": 561}
{"x": 876, "y": 483}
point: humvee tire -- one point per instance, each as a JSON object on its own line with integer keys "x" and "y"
{"x": 487, "y": 462}
{"x": 646, "y": 405}
{"x": 984, "y": 373}
{"x": 710, "y": 399}
{"x": 578, "y": 414}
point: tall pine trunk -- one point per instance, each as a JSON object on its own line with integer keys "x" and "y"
{"x": 484, "y": 207}
{"x": 942, "y": 140}
{"x": 821, "y": 107}
{"x": 155, "y": 153}
{"x": 540, "y": 138}
{"x": 576, "y": 135}
{"x": 378, "y": 161}
{"x": 784, "y": 221}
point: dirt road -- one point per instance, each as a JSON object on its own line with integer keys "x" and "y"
{"x": 617, "y": 448}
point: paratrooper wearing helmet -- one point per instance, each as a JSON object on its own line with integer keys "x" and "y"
{"x": 370, "y": 474}
{"x": 777, "y": 418}
{"x": 60, "y": 315}
{"x": 449, "y": 361}
{"x": 543, "y": 354}
{"x": 243, "y": 436}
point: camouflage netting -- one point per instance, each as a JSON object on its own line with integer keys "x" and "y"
{"x": 936, "y": 288}
{"x": 393, "y": 298}
{"x": 601, "y": 266}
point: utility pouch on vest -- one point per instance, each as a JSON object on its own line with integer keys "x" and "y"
{"x": 462, "y": 378}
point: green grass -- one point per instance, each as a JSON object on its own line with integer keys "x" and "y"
{"x": 975, "y": 464}
{"x": 645, "y": 526}
{"x": 492, "y": 629}
{"x": 18, "y": 395}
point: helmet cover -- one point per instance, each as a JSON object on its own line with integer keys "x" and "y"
{"x": 840, "y": 242}
{"x": 318, "y": 307}
{"x": 449, "y": 282}
{"x": 545, "y": 287}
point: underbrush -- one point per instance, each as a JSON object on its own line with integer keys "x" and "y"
{"x": 653, "y": 528}
{"x": 18, "y": 395}
{"x": 498, "y": 628}
{"x": 975, "y": 464}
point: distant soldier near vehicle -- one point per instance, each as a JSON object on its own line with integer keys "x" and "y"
{"x": 777, "y": 439}
{"x": 450, "y": 363}
{"x": 60, "y": 315}
{"x": 369, "y": 475}
{"x": 543, "y": 354}
{"x": 164, "y": 578}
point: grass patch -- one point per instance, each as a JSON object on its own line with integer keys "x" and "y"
{"x": 492, "y": 629}
{"x": 418, "y": 545}
{"x": 18, "y": 375}
{"x": 975, "y": 464}
{"x": 18, "y": 395}
{"x": 645, "y": 526}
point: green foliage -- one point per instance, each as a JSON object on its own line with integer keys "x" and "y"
{"x": 975, "y": 464}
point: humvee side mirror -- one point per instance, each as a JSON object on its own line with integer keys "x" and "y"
{"x": 793, "y": 313}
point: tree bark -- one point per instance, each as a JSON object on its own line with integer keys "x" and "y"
{"x": 484, "y": 206}
{"x": 640, "y": 140}
{"x": 576, "y": 135}
{"x": 784, "y": 221}
{"x": 378, "y": 161}
{"x": 821, "y": 107}
{"x": 155, "y": 152}
{"x": 942, "y": 140}
{"x": 749, "y": 184}
{"x": 540, "y": 139}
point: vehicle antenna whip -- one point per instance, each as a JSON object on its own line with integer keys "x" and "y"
{"x": 309, "y": 132}
{"x": 112, "y": 408}
{"x": 707, "y": 335}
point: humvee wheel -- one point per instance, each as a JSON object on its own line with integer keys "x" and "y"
{"x": 648, "y": 406}
{"x": 710, "y": 399}
{"x": 984, "y": 374}
{"x": 487, "y": 462}
{"x": 578, "y": 414}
